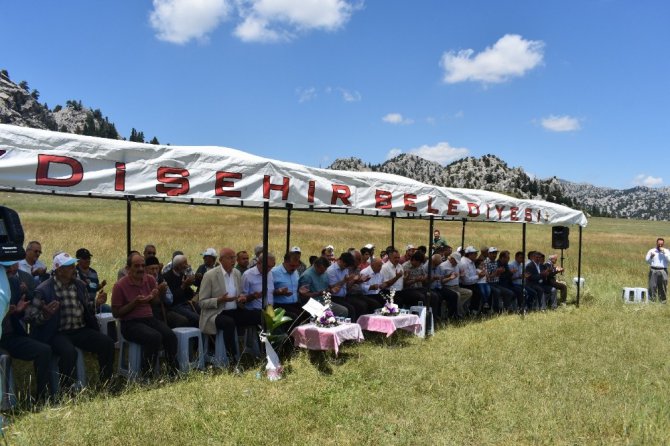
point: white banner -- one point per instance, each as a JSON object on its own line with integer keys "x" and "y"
{"x": 42, "y": 161}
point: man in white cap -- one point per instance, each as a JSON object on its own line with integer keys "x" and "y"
{"x": 62, "y": 315}
{"x": 302, "y": 267}
{"x": 209, "y": 262}
{"x": 409, "y": 252}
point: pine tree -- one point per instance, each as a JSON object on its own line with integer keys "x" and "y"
{"x": 154, "y": 141}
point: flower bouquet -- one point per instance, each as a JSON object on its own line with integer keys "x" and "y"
{"x": 389, "y": 308}
{"x": 327, "y": 317}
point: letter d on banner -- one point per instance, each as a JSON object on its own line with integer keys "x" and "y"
{"x": 42, "y": 176}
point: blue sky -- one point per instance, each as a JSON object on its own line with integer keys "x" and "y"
{"x": 576, "y": 88}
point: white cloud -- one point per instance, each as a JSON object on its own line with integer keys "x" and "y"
{"x": 306, "y": 94}
{"x": 647, "y": 180}
{"x": 561, "y": 123}
{"x": 350, "y": 95}
{"x": 441, "y": 153}
{"x": 179, "y": 21}
{"x": 393, "y": 153}
{"x": 280, "y": 20}
{"x": 397, "y": 119}
{"x": 511, "y": 56}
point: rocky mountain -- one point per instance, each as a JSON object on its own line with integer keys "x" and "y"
{"x": 19, "y": 105}
{"x": 491, "y": 173}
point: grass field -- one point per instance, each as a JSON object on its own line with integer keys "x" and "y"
{"x": 597, "y": 374}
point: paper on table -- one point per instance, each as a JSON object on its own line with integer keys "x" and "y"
{"x": 313, "y": 307}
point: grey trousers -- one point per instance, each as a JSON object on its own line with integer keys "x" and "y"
{"x": 658, "y": 284}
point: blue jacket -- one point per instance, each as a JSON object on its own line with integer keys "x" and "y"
{"x": 44, "y": 329}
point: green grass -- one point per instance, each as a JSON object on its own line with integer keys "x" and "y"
{"x": 597, "y": 374}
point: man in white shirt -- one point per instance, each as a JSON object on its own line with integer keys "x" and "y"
{"x": 32, "y": 263}
{"x": 469, "y": 276}
{"x": 451, "y": 273}
{"x": 375, "y": 283}
{"x": 657, "y": 258}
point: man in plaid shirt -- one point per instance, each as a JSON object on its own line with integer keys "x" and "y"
{"x": 63, "y": 316}
{"x": 501, "y": 297}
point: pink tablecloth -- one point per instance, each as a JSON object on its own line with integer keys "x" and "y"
{"x": 389, "y": 324}
{"x": 316, "y": 338}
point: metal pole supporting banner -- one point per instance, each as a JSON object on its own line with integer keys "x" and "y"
{"x": 266, "y": 230}
{"x": 523, "y": 270}
{"x": 289, "y": 207}
{"x": 463, "y": 235}
{"x": 579, "y": 266}
{"x": 128, "y": 226}
{"x": 430, "y": 260}
{"x": 393, "y": 229}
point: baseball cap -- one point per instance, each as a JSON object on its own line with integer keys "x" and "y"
{"x": 63, "y": 259}
{"x": 410, "y": 246}
{"x": 456, "y": 256}
{"x": 295, "y": 249}
{"x": 370, "y": 246}
{"x": 8, "y": 263}
{"x": 330, "y": 248}
{"x": 493, "y": 249}
{"x": 83, "y": 253}
{"x": 470, "y": 249}
{"x": 209, "y": 252}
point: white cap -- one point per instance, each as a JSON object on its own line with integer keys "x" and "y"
{"x": 456, "y": 256}
{"x": 369, "y": 246}
{"x": 330, "y": 248}
{"x": 295, "y": 249}
{"x": 209, "y": 252}
{"x": 63, "y": 259}
{"x": 493, "y": 249}
{"x": 470, "y": 249}
{"x": 410, "y": 246}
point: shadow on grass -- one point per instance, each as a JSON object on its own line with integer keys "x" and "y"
{"x": 399, "y": 339}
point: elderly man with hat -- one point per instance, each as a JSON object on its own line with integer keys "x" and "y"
{"x": 209, "y": 262}
{"x": 90, "y": 277}
{"x": 63, "y": 316}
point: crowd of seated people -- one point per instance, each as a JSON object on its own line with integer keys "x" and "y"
{"x": 52, "y": 313}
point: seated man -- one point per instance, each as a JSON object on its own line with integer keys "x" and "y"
{"x": 469, "y": 276}
{"x": 450, "y": 281}
{"x": 90, "y": 277}
{"x": 340, "y": 276}
{"x": 242, "y": 261}
{"x": 220, "y": 293}
{"x": 179, "y": 282}
{"x": 252, "y": 284}
{"x": 209, "y": 262}
{"x": 375, "y": 283}
{"x": 440, "y": 293}
{"x": 32, "y": 263}
{"x": 286, "y": 287}
{"x": 63, "y": 316}
{"x": 314, "y": 282}
{"x": 355, "y": 288}
{"x": 409, "y": 252}
{"x": 554, "y": 270}
{"x": 14, "y": 338}
{"x": 524, "y": 294}
{"x": 132, "y": 297}
{"x": 159, "y": 307}
{"x": 501, "y": 296}
{"x": 414, "y": 289}
{"x": 536, "y": 280}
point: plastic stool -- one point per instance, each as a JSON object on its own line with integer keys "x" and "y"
{"x": 635, "y": 295}
{"x": 80, "y": 370}
{"x": 7, "y": 377}
{"x": 251, "y": 342}
{"x": 220, "y": 356}
{"x": 423, "y": 314}
{"x": 104, "y": 319}
{"x": 130, "y": 358}
{"x": 189, "y": 356}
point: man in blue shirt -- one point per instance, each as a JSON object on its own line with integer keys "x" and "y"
{"x": 286, "y": 278}
{"x": 315, "y": 280}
